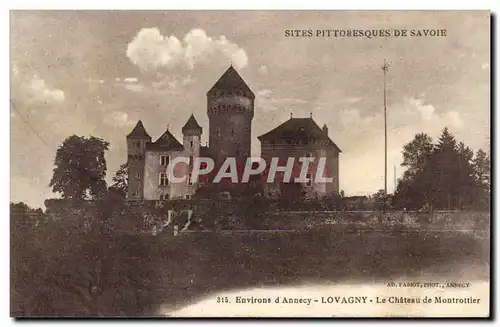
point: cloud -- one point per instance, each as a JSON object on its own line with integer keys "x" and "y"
{"x": 150, "y": 50}
{"x": 134, "y": 87}
{"x": 454, "y": 119}
{"x": 118, "y": 118}
{"x": 42, "y": 92}
{"x": 352, "y": 119}
{"x": 427, "y": 111}
{"x": 429, "y": 115}
{"x": 267, "y": 101}
{"x": 130, "y": 80}
{"x": 130, "y": 83}
{"x": 171, "y": 83}
{"x": 98, "y": 99}
{"x": 263, "y": 70}
{"x": 92, "y": 81}
{"x": 351, "y": 100}
{"x": 264, "y": 93}
{"x": 410, "y": 116}
{"x": 361, "y": 137}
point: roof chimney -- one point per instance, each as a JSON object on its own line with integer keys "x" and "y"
{"x": 325, "y": 129}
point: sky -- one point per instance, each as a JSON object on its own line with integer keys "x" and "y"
{"x": 99, "y": 72}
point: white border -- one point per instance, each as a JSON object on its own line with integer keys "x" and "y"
{"x": 185, "y": 4}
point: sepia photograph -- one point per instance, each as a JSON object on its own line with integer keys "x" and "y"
{"x": 250, "y": 164}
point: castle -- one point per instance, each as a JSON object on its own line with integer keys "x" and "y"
{"x": 230, "y": 109}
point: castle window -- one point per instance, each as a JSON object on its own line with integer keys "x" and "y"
{"x": 187, "y": 197}
{"x": 137, "y": 175}
{"x": 135, "y": 193}
{"x": 163, "y": 181}
{"x": 217, "y": 132}
{"x": 189, "y": 179}
{"x": 137, "y": 144}
{"x": 309, "y": 180}
{"x": 191, "y": 143}
{"x": 164, "y": 160}
{"x": 232, "y": 131}
{"x": 308, "y": 154}
{"x": 164, "y": 196}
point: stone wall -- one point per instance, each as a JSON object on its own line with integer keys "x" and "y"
{"x": 146, "y": 216}
{"x": 378, "y": 220}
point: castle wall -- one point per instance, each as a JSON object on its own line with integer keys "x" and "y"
{"x": 152, "y": 189}
{"x": 230, "y": 117}
{"x": 284, "y": 151}
{"x": 135, "y": 161}
{"x": 332, "y": 168}
{"x": 157, "y": 212}
{"x": 192, "y": 144}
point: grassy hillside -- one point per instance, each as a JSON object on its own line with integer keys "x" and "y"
{"x": 193, "y": 265}
{"x": 67, "y": 267}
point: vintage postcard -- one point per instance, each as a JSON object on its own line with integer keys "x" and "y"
{"x": 250, "y": 164}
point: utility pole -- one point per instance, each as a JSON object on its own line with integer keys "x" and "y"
{"x": 385, "y": 68}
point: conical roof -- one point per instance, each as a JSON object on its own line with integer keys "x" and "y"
{"x": 192, "y": 125}
{"x": 230, "y": 81}
{"x": 139, "y": 132}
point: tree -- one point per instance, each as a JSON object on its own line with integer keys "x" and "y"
{"x": 24, "y": 255}
{"x": 88, "y": 269}
{"x": 380, "y": 199}
{"x": 417, "y": 153}
{"x": 438, "y": 176}
{"x": 80, "y": 168}
{"x": 453, "y": 174}
{"x": 120, "y": 181}
{"x": 464, "y": 181}
{"x": 481, "y": 167}
{"x": 481, "y": 164}
{"x": 412, "y": 191}
{"x": 441, "y": 171}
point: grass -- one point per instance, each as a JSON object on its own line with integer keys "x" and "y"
{"x": 193, "y": 265}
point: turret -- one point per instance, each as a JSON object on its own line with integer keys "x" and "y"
{"x": 192, "y": 136}
{"x": 137, "y": 139}
{"x": 136, "y": 149}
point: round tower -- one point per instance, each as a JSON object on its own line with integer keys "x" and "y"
{"x": 230, "y": 107}
{"x": 191, "y": 132}
{"x": 136, "y": 150}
